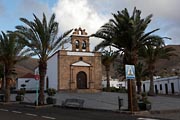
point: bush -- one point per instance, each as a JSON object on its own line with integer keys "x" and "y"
{"x": 22, "y": 91}
{"x": 113, "y": 89}
{"x": 143, "y": 98}
{"x": 51, "y": 92}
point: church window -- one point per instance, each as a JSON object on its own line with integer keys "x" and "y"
{"x": 83, "y": 45}
{"x": 77, "y": 44}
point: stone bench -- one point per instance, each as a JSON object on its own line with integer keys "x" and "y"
{"x": 73, "y": 102}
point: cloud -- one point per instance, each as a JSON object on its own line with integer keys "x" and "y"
{"x": 91, "y": 14}
{"x": 164, "y": 12}
{"x": 78, "y": 13}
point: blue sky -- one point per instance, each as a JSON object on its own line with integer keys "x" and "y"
{"x": 91, "y": 14}
{"x": 11, "y": 11}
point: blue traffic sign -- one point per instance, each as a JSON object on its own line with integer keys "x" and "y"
{"x": 130, "y": 71}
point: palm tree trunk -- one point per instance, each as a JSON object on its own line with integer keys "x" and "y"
{"x": 7, "y": 90}
{"x": 132, "y": 99}
{"x": 2, "y": 84}
{"x": 42, "y": 73}
{"x": 138, "y": 86}
{"x": 108, "y": 81}
{"x": 151, "y": 87}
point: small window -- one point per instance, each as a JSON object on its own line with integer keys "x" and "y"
{"x": 77, "y": 44}
{"x": 80, "y": 58}
{"x": 83, "y": 45}
{"x": 160, "y": 86}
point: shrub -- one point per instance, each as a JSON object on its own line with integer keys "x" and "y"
{"x": 143, "y": 98}
{"x": 51, "y": 92}
{"x": 22, "y": 91}
{"x": 113, "y": 89}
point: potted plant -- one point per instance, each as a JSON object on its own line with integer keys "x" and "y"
{"x": 20, "y": 94}
{"x": 143, "y": 102}
{"x": 51, "y": 99}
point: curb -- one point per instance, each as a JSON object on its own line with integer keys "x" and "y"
{"x": 123, "y": 111}
{"x": 31, "y": 105}
{"x": 38, "y": 107}
{"x": 165, "y": 111}
{"x": 9, "y": 103}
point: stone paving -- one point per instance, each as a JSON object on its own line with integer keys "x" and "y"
{"x": 109, "y": 101}
{"x": 162, "y": 106}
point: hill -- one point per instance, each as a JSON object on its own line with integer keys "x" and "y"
{"x": 26, "y": 66}
{"x": 165, "y": 67}
{"x": 170, "y": 66}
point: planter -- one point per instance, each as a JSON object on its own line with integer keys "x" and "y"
{"x": 144, "y": 106}
{"x": 19, "y": 98}
{"x": 50, "y": 100}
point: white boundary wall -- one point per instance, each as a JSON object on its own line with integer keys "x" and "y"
{"x": 169, "y": 85}
{"x": 30, "y": 83}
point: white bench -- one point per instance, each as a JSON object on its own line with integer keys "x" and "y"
{"x": 73, "y": 102}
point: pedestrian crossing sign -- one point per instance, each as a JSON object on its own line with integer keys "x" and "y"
{"x": 130, "y": 71}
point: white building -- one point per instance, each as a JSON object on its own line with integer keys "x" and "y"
{"x": 28, "y": 80}
{"x": 114, "y": 83}
{"x": 77, "y": 69}
{"x": 169, "y": 85}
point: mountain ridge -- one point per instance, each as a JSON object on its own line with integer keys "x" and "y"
{"x": 163, "y": 65}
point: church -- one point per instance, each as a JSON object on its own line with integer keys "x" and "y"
{"x": 77, "y": 69}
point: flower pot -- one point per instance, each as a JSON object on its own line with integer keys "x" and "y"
{"x": 144, "y": 106}
{"x": 19, "y": 98}
{"x": 148, "y": 106}
{"x": 50, "y": 100}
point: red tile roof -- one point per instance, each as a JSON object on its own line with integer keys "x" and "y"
{"x": 28, "y": 75}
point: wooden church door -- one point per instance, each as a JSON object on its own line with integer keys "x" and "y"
{"x": 81, "y": 80}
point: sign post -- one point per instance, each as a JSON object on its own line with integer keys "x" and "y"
{"x": 37, "y": 88}
{"x": 130, "y": 75}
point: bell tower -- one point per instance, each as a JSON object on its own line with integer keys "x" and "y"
{"x": 80, "y": 40}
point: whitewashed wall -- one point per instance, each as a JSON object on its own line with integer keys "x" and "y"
{"x": 52, "y": 71}
{"x": 169, "y": 81}
{"x": 114, "y": 83}
{"x": 31, "y": 83}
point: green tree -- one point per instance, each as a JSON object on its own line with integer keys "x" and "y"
{"x": 127, "y": 33}
{"x": 108, "y": 58}
{"x": 151, "y": 55}
{"x": 141, "y": 73}
{"x": 11, "y": 52}
{"x": 41, "y": 37}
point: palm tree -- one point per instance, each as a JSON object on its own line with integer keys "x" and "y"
{"x": 11, "y": 52}
{"x": 141, "y": 73}
{"x": 41, "y": 37}
{"x": 1, "y": 76}
{"x": 151, "y": 55}
{"x": 127, "y": 33}
{"x": 108, "y": 58}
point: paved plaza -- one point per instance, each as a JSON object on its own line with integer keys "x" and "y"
{"x": 109, "y": 101}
